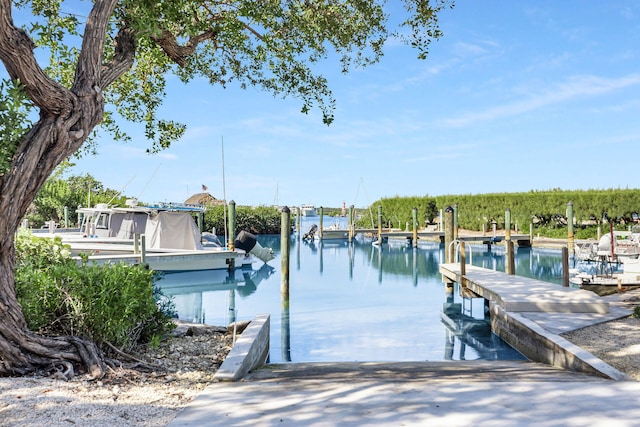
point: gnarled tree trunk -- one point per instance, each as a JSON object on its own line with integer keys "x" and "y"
{"x": 67, "y": 117}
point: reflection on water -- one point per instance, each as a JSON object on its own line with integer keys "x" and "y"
{"x": 357, "y": 302}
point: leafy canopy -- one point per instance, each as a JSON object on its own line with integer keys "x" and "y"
{"x": 270, "y": 44}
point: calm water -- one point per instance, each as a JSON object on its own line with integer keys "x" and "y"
{"x": 357, "y": 302}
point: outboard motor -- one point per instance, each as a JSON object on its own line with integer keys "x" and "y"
{"x": 311, "y": 233}
{"x": 249, "y": 243}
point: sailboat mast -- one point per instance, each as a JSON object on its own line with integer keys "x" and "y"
{"x": 224, "y": 195}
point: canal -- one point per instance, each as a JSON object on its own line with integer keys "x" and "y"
{"x": 358, "y": 302}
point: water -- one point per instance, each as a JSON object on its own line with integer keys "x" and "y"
{"x": 358, "y": 302}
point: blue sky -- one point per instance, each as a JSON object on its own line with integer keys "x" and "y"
{"x": 517, "y": 96}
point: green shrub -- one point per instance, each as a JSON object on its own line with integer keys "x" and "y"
{"x": 636, "y": 312}
{"x": 113, "y": 304}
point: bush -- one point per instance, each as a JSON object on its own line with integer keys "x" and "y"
{"x": 114, "y": 304}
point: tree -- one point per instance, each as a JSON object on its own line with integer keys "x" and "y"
{"x": 112, "y": 62}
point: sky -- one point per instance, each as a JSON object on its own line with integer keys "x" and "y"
{"x": 516, "y": 96}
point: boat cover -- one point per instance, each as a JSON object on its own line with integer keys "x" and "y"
{"x": 125, "y": 225}
{"x": 172, "y": 230}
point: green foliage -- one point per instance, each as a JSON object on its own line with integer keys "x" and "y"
{"x": 636, "y": 312}
{"x": 14, "y": 110}
{"x": 113, "y": 304}
{"x": 546, "y": 210}
{"x": 260, "y": 219}
{"x": 77, "y": 190}
{"x": 273, "y": 46}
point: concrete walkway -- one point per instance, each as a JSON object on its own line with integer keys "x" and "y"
{"x": 416, "y": 394}
{"x": 448, "y": 394}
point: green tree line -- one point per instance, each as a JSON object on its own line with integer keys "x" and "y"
{"x": 546, "y": 210}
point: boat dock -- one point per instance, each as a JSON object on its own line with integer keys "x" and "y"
{"x": 438, "y": 236}
{"x": 523, "y": 294}
{"x": 530, "y": 315}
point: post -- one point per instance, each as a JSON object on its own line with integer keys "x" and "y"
{"x": 455, "y": 221}
{"x": 380, "y": 224}
{"x": 463, "y": 265}
{"x": 232, "y": 225}
{"x": 136, "y": 243}
{"x": 298, "y": 221}
{"x": 351, "y": 222}
{"x": 143, "y": 249}
{"x": 66, "y": 217}
{"x": 565, "y": 267}
{"x": 510, "y": 266}
{"x": 285, "y": 339}
{"x": 414, "y": 216}
{"x": 531, "y": 232}
{"x": 507, "y": 225}
{"x": 321, "y": 226}
{"x": 448, "y": 234}
{"x": 285, "y": 226}
{"x": 570, "y": 237}
{"x": 201, "y": 221}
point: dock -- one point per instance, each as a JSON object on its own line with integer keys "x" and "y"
{"x": 523, "y": 294}
{"x": 523, "y": 240}
{"x": 530, "y": 315}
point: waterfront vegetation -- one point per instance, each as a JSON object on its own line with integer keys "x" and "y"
{"x": 115, "y": 305}
{"x": 546, "y": 211}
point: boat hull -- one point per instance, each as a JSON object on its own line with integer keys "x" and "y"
{"x": 177, "y": 261}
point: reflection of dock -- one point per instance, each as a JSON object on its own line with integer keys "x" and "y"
{"x": 472, "y": 332}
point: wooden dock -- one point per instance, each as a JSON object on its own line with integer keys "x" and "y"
{"x": 438, "y": 236}
{"x": 522, "y": 294}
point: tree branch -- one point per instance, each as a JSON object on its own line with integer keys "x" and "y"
{"x": 122, "y": 60}
{"x": 90, "y": 59}
{"x": 16, "y": 53}
{"x": 179, "y": 53}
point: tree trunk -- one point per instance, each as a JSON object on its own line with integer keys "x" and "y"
{"x": 22, "y": 351}
{"x": 67, "y": 117}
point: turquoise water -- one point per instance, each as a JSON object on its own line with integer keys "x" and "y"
{"x": 357, "y": 302}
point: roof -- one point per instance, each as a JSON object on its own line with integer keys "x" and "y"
{"x": 203, "y": 199}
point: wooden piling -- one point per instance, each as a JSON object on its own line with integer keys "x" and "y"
{"x": 414, "y": 216}
{"x": 351, "y": 223}
{"x": 463, "y": 265}
{"x": 448, "y": 234}
{"x": 570, "y": 236}
{"x": 285, "y": 246}
{"x": 232, "y": 226}
{"x": 380, "y": 224}
{"x": 143, "y": 249}
{"x": 455, "y": 222}
{"x": 565, "y": 267}
{"x": 510, "y": 266}
{"x": 321, "y": 226}
{"x": 507, "y": 225}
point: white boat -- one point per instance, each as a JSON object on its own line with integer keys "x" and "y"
{"x": 308, "y": 210}
{"x": 613, "y": 247}
{"x": 165, "y": 237}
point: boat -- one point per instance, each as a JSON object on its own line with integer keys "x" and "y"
{"x": 617, "y": 246}
{"x": 333, "y": 232}
{"x": 165, "y": 237}
{"x": 308, "y": 210}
